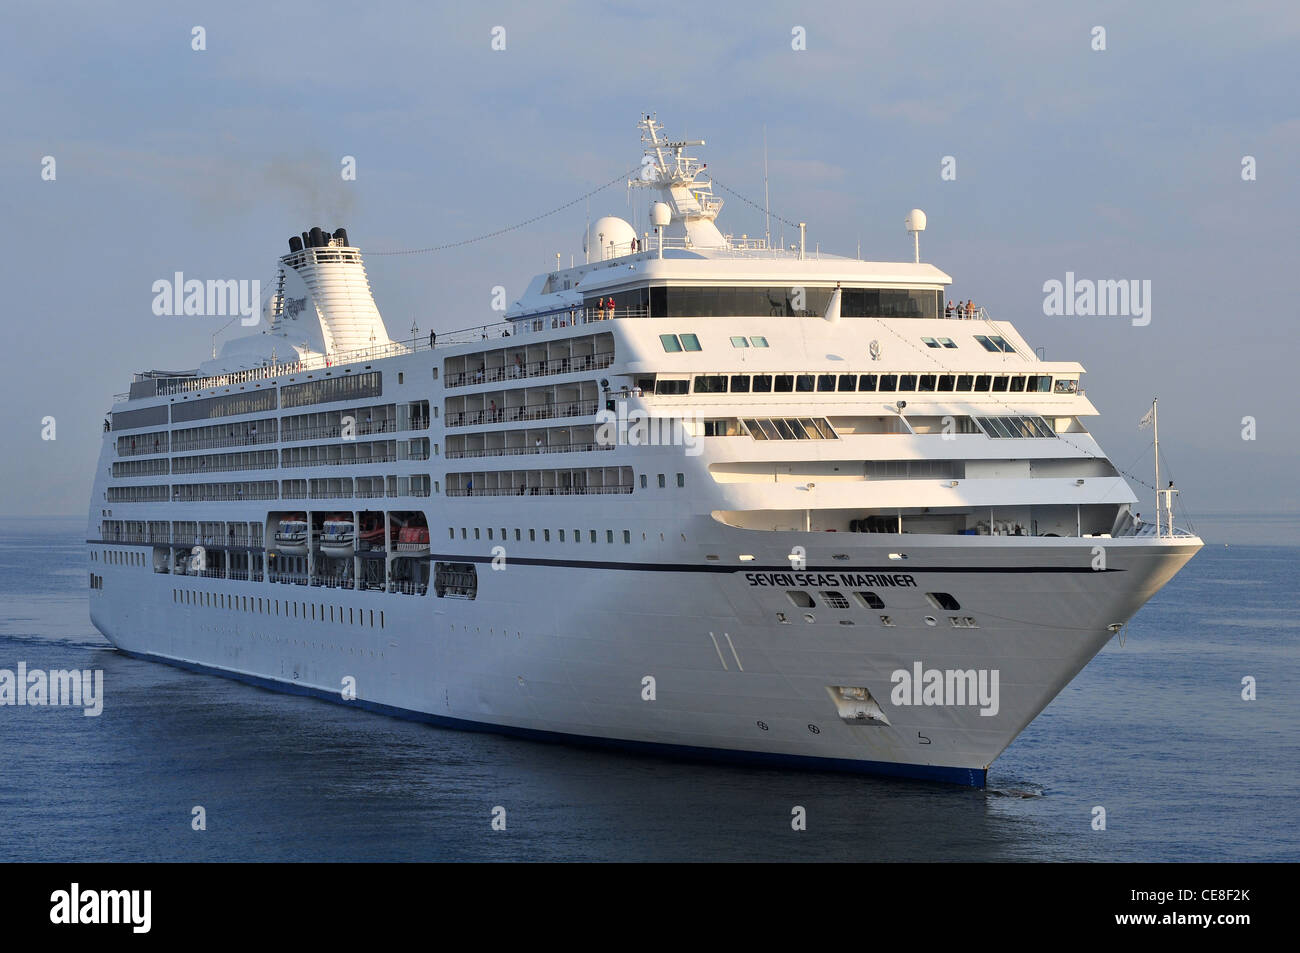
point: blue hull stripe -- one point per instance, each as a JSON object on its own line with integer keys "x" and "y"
{"x": 970, "y": 777}
{"x": 681, "y": 567}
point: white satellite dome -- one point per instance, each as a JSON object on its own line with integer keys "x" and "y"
{"x": 606, "y": 230}
{"x": 660, "y": 214}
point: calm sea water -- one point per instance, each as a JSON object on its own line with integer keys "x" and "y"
{"x": 1155, "y": 731}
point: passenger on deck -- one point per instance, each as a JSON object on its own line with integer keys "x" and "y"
{"x": 947, "y": 312}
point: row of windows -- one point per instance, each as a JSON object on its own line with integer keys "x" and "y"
{"x": 254, "y": 402}
{"x": 145, "y": 417}
{"x": 756, "y": 340}
{"x": 348, "y": 387}
{"x": 576, "y": 535}
{"x": 1000, "y": 427}
{"x": 685, "y": 302}
{"x": 993, "y": 342}
{"x": 790, "y": 428}
{"x": 116, "y": 558}
{"x": 884, "y": 383}
{"x": 311, "y": 611}
{"x": 685, "y": 342}
{"x": 868, "y": 600}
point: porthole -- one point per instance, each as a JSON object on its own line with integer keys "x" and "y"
{"x": 931, "y": 620}
{"x": 809, "y": 617}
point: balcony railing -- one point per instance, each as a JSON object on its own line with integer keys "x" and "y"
{"x": 473, "y": 418}
{"x": 514, "y": 451}
{"x": 544, "y": 491}
{"x": 531, "y": 369}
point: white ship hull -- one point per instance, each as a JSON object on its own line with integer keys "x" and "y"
{"x": 551, "y": 649}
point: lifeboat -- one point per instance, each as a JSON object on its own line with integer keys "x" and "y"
{"x": 292, "y": 537}
{"x": 413, "y": 541}
{"x": 338, "y": 538}
{"x": 371, "y": 538}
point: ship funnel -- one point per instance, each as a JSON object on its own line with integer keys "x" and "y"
{"x": 335, "y": 276}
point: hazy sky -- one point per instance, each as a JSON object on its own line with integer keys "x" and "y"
{"x": 1117, "y": 164}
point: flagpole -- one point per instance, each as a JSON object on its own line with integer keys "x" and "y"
{"x": 1155, "y": 422}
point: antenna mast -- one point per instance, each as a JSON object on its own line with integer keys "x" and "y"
{"x": 767, "y": 208}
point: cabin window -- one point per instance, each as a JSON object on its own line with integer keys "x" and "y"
{"x": 739, "y": 341}
{"x": 835, "y": 600}
{"x": 762, "y": 383}
{"x": 532, "y": 535}
{"x": 947, "y": 382}
{"x": 848, "y": 382}
{"x": 784, "y": 383}
{"x": 546, "y": 535}
{"x": 681, "y": 479}
{"x": 670, "y": 343}
{"x": 827, "y": 382}
{"x": 758, "y": 341}
{"x": 942, "y": 600}
{"x": 982, "y": 382}
{"x": 800, "y": 598}
{"x": 1000, "y": 384}
{"x": 803, "y": 383}
{"x": 867, "y": 382}
{"x": 907, "y": 382}
{"x": 711, "y": 384}
{"x": 662, "y": 483}
{"x": 929, "y": 342}
{"x": 690, "y": 342}
{"x": 888, "y": 382}
{"x": 948, "y": 342}
{"x": 926, "y": 383}
{"x": 627, "y": 536}
{"x": 869, "y": 600}
{"x": 609, "y": 536}
{"x": 740, "y": 383}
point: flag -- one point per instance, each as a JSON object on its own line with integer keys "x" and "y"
{"x": 1145, "y": 422}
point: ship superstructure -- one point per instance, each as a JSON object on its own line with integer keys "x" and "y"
{"x": 695, "y": 495}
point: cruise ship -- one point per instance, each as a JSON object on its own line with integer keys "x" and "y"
{"x": 694, "y": 495}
